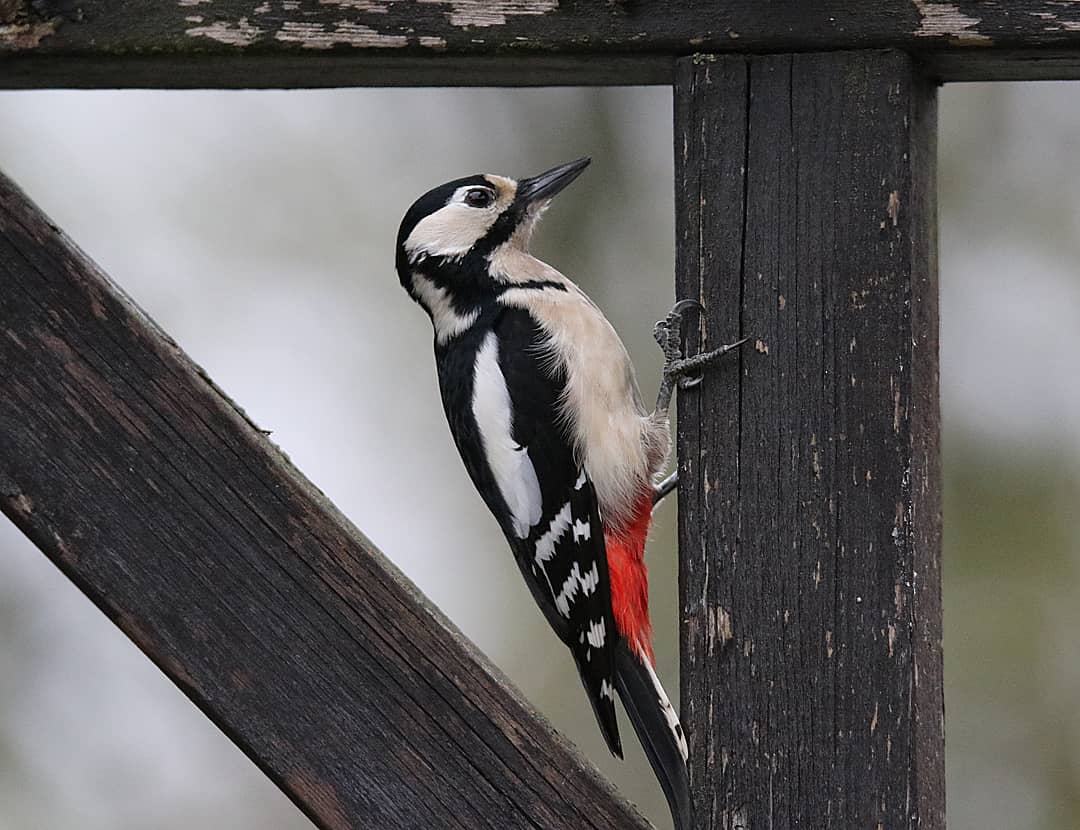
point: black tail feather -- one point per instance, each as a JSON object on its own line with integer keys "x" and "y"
{"x": 663, "y": 743}
{"x": 604, "y": 708}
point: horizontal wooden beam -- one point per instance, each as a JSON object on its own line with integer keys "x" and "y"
{"x": 194, "y": 534}
{"x": 317, "y": 43}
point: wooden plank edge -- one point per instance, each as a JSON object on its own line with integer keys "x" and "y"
{"x": 32, "y": 519}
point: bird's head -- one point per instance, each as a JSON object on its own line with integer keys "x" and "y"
{"x": 461, "y": 223}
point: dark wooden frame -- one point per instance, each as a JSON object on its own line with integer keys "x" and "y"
{"x": 292, "y": 43}
{"x": 809, "y": 504}
{"x": 809, "y": 512}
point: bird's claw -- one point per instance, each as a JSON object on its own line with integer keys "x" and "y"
{"x": 682, "y": 305}
{"x": 667, "y": 332}
{"x": 681, "y": 372}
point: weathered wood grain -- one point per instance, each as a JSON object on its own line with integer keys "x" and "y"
{"x": 195, "y": 535}
{"x": 809, "y": 503}
{"x": 285, "y": 43}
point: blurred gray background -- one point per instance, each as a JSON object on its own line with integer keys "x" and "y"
{"x": 258, "y": 229}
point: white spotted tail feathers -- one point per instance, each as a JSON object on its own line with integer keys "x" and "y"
{"x": 657, "y": 727}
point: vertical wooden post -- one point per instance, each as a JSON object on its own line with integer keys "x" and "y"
{"x": 809, "y": 503}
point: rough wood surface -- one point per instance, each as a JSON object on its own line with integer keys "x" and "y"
{"x": 194, "y": 534}
{"x": 811, "y": 677}
{"x": 270, "y": 43}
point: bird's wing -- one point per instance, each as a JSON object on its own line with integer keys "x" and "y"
{"x": 565, "y": 564}
{"x": 550, "y": 514}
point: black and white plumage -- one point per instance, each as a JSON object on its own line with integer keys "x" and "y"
{"x": 544, "y": 409}
{"x": 501, "y": 399}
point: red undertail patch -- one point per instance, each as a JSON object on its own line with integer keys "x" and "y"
{"x": 629, "y": 578}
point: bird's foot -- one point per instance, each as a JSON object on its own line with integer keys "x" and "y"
{"x": 679, "y": 371}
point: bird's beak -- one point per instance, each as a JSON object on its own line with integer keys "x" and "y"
{"x": 539, "y": 188}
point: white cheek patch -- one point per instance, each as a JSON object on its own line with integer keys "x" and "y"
{"x": 513, "y": 470}
{"x": 451, "y": 231}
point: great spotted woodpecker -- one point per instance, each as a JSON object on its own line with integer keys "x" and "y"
{"x": 544, "y": 408}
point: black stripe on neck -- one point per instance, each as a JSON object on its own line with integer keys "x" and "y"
{"x": 534, "y": 285}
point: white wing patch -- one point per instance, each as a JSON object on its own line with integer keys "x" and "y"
{"x": 452, "y": 230}
{"x": 513, "y": 470}
{"x": 665, "y": 704}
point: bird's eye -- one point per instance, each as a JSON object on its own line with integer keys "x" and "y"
{"x": 478, "y": 197}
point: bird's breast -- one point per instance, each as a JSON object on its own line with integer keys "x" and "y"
{"x": 609, "y": 428}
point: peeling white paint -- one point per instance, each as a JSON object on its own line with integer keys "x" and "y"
{"x": 893, "y": 208}
{"x": 491, "y": 12}
{"x": 319, "y": 36}
{"x": 26, "y": 35}
{"x": 737, "y": 819}
{"x": 946, "y": 20}
{"x": 1057, "y": 25}
{"x": 241, "y": 33}
{"x": 719, "y": 630}
{"x": 376, "y": 6}
{"x": 192, "y": 2}
{"x": 432, "y": 42}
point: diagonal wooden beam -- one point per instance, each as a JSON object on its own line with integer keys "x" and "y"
{"x": 149, "y": 489}
{"x": 810, "y": 513}
{"x": 290, "y": 43}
